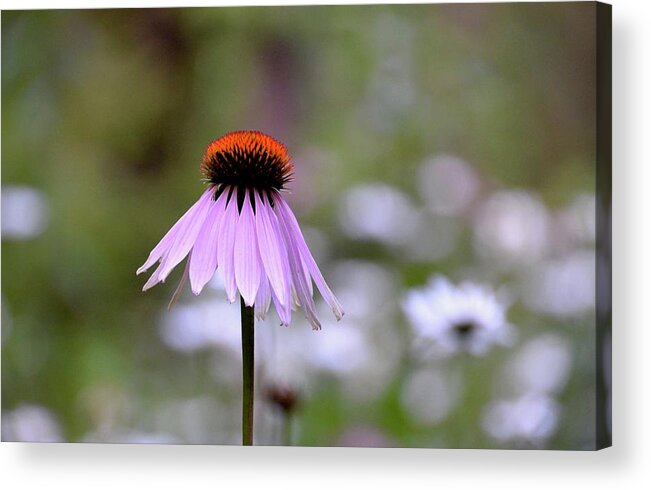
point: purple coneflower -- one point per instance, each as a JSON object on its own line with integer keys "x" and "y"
{"x": 243, "y": 226}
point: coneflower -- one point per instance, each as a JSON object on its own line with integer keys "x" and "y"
{"x": 242, "y": 226}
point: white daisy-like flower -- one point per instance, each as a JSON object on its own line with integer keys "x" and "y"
{"x": 465, "y": 318}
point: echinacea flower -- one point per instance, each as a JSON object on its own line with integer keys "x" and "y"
{"x": 242, "y": 226}
{"x": 469, "y": 317}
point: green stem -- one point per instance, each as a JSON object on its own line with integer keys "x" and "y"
{"x": 287, "y": 429}
{"x": 247, "y": 373}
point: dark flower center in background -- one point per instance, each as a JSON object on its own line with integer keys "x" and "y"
{"x": 249, "y": 160}
{"x": 464, "y": 330}
{"x": 284, "y": 398}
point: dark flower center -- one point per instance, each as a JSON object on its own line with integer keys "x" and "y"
{"x": 284, "y": 398}
{"x": 464, "y": 330}
{"x": 249, "y": 160}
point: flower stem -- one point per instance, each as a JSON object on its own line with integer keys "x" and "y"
{"x": 247, "y": 373}
{"x": 287, "y": 429}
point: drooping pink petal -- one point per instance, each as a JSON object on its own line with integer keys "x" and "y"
{"x": 186, "y": 236}
{"x": 308, "y": 277}
{"x": 179, "y": 288}
{"x": 153, "y": 279}
{"x": 245, "y": 255}
{"x": 303, "y": 296}
{"x": 272, "y": 250}
{"x": 203, "y": 260}
{"x": 179, "y": 228}
{"x": 226, "y": 241}
{"x": 262, "y": 299}
{"x": 285, "y": 214}
{"x": 284, "y": 311}
{"x": 296, "y": 304}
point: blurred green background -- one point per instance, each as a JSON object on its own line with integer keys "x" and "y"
{"x": 105, "y": 117}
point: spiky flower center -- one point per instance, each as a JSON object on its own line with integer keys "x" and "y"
{"x": 249, "y": 160}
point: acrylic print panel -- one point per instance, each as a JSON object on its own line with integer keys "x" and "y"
{"x": 377, "y": 225}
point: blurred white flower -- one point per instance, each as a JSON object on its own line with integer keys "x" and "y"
{"x": 512, "y": 227}
{"x": 291, "y": 355}
{"x": 429, "y": 395}
{"x": 24, "y": 212}
{"x": 448, "y": 184}
{"x": 564, "y": 287}
{"x": 340, "y": 351}
{"x": 579, "y": 219}
{"x": 211, "y": 322}
{"x": 530, "y": 419}
{"x": 386, "y": 215}
{"x": 469, "y": 317}
{"x": 366, "y": 288}
{"x": 378, "y": 212}
{"x": 435, "y": 238}
{"x": 370, "y": 378}
{"x": 542, "y": 365}
{"x": 30, "y": 423}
